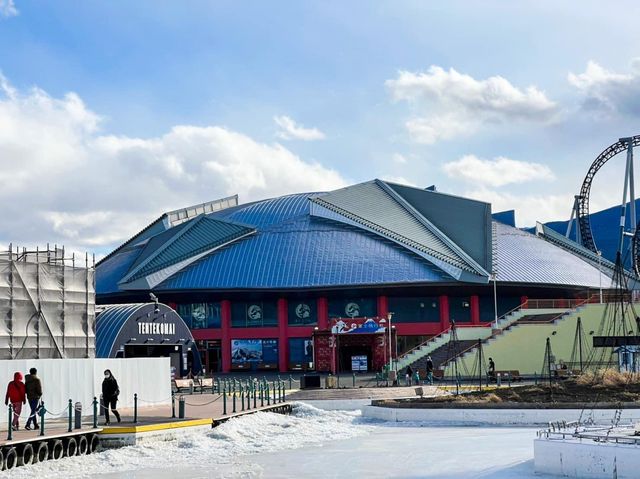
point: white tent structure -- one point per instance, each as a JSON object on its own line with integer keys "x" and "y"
{"x": 47, "y": 305}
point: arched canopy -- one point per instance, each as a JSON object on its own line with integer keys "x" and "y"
{"x": 151, "y": 325}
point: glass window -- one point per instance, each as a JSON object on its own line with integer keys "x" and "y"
{"x": 460, "y": 309}
{"x": 352, "y": 308}
{"x": 200, "y": 315}
{"x": 256, "y": 314}
{"x": 415, "y": 309}
{"x": 303, "y": 312}
{"x": 254, "y": 353}
{"x": 300, "y": 353}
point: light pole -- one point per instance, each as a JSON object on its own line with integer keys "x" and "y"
{"x": 600, "y": 270}
{"x": 396, "y": 348}
{"x": 495, "y": 299}
{"x": 389, "y": 316}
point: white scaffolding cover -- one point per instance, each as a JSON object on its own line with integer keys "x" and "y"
{"x": 47, "y": 307}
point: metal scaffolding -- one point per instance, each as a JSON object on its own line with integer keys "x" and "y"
{"x": 47, "y": 304}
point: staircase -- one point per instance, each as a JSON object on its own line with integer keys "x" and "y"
{"x": 416, "y": 357}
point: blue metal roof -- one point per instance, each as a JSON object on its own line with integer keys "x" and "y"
{"x": 196, "y": 236}
{"x": 308, "y": 252}
{"x": 109, "y": 323}
{"x": 526, "y": 258}
{"x": 368, "y": 237}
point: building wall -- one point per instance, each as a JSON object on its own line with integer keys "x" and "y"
{"x": 416, "y": 318}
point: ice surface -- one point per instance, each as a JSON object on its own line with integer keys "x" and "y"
{"x": 312, "y": 443}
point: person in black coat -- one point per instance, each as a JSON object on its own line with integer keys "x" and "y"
{"x": 110, "y": 393}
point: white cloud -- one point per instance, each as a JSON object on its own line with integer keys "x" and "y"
{"x": 450, "y": 103}
{"x": 65, "y": 181}
{"x": 290, "y": 130}
{"x": 497, "y": 172}
{"x": 529, "y": 207}
{"x": 8, "y": 9}
{"x": 607, "y": 91}
{"x": 399, "y": 159}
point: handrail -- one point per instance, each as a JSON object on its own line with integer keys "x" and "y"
{"x": 432, "y": 338}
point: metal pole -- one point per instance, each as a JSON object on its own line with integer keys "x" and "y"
{"x": 623, "y": 209}
{"x": 495, "y": 300}
{"x": 70, "y": 415}
{"x": 224, "y": 402}
{"x": 43, "y": 411}
{"x": 135, "y": 407}
{"x": 632, "y": 195}
{"x": 600, "y": 270}
{"x": 580, "y": 341}
{"x": 389, "y": 317}
{"x": 95, "y": 412}
{"x": 549, "y": 360}
{"x": 10, "y": 424}
{"x": 480, "y": 362}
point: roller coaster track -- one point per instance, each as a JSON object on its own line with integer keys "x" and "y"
{"x": 582, "y": 215}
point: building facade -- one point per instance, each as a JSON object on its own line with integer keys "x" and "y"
{"x": 255, "y": 282}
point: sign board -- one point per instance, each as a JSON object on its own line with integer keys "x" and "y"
{"x": 359, "y": 363}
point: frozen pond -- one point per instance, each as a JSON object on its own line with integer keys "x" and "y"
{"x": 312, "y": 443}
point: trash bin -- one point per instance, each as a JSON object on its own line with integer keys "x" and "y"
{"x": 330, "y": 382}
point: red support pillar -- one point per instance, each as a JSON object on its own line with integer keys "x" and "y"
{"x": 383, "y": 306}
{"x": 225, "y": 313}
{"x": 323, "y": 314}
{"x": 283, "y": 343}
{"x": 475, "y": 309}
{"x": 444, "y": 312}
{"x": 523, "y": 301}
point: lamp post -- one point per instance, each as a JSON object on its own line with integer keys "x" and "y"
{"x": 396, "y": 347}
{"x": 495, "y": 299}
{"x": 389, "y": 316}
{"x": 600, "y": 270}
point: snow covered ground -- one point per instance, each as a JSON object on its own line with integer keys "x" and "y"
{"x": 312, "y": 443}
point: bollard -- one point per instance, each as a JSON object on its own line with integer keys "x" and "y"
{"x": 261, "y": 395}
{"x": 274, "y": 392}
{"x": 242, "y": 397}
{"x": 354, "y": 380}
{"x": 498, "y": 380}
{"x": 70, "y": 415}
{"x": 181, "y": 407}
{"x": 135, "y": 408}
{"x": 509, "y": 379}
{"x": 95, "y": 412}
{"x": 290, "y": 382}
{"x": 248, "y": 398}
{"x": 224, "y": 402}
{"x": 10, "y": 425}
{"x": 255, "y": 397}
{"x": 191, "y": 387}
{"x": 283, "y": 395}
{"x": 43, "y": 411}
{"x": 173, "y": 404}
{"x": 234, "y": 402}
{"x": 78, "y": 416}
{"x": 268, "y": 394}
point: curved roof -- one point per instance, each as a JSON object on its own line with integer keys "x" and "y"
{"x": 118, "y": 323}
{"x": 370, "y": 234}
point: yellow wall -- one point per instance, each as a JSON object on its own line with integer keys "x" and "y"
{"x": 522, "y": 348}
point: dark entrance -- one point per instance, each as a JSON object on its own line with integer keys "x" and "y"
{"x": 348, "y": 351}
{"x": 214, "y": 356}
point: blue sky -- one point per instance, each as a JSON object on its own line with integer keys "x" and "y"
{"x": 93, "y": 93}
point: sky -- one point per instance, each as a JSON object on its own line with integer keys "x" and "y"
{"x": 114, "y": 112}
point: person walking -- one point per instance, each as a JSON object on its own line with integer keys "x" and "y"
{"x": 408, "y": 374}
{"x": 110, "y": 393}
{"x": 33, "y": 388}
{"x": 17, "y": 396}
{"x": 429, "y": 370}
{"x": 492, "y": 370}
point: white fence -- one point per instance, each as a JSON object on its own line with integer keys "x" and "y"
{"x": 81, "y": 380}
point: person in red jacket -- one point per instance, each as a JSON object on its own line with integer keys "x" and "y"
{"x": 16, "y": 393}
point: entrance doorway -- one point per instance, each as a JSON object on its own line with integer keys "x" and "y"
{"x": 347, "y": 352}
{"x": 213, "y": 356}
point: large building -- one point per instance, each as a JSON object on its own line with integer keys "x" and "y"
{"x": 256, "y": 281}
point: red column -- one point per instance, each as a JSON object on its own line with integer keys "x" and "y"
{"x": 444, "y": 312}
{"x": 383, "y": 306}
{"x": 225, "y": 312}
{"x": 323, "y": 314}
{"x": 283, "y": 343}
{"x": 523, "y": 300}
{"x": 475, "y": 309}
